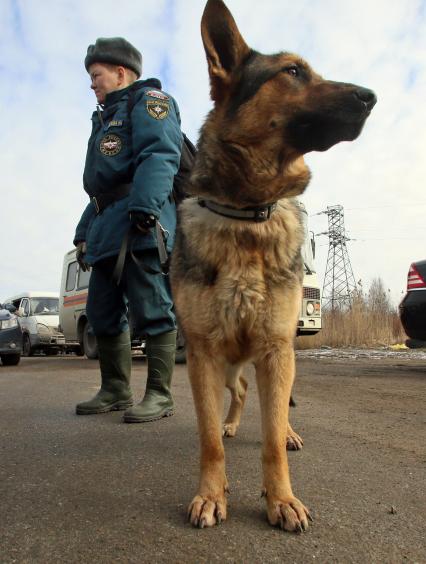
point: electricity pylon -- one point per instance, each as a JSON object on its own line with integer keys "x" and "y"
{"x": 339, "y": 282}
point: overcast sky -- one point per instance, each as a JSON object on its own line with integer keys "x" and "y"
{"x": 46, "y": 105}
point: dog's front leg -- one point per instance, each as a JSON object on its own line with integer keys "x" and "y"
{"x": 208, "y": 383}
{"x": 274, "y": 374}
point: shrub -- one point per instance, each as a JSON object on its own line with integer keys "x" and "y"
{"x": 370, "y": 321}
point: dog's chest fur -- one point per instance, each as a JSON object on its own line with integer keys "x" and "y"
{"x": 235, "y": 274}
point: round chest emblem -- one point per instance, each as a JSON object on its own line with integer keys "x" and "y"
{"x": 110, "y": 145}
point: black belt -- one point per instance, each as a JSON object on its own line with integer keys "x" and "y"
{"x": 105, "y": 199}
{"x": 258, "y": 213}
{"x": 161, "y": 235}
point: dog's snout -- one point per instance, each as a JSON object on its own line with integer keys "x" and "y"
{"x": 367, "y": 96}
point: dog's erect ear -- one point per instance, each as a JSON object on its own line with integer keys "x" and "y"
{"x": 225, "y": 48}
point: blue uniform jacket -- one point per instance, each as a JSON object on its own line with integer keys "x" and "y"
{"x": 143, "y": 149}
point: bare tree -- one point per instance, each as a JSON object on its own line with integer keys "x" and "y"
{"x": 378, "y": 300}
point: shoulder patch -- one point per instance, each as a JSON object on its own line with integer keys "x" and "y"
{"x": 157, "y": 109}
{"x": 157, "y": 94}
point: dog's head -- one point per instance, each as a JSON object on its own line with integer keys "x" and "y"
{"x": 272, "y": 109}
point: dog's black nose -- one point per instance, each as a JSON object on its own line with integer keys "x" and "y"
{"x": 367, "y": 96}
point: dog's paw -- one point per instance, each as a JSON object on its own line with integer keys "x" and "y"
{"x": 293, "y": 440}
{"x": 290, "y": 515}
{"x": 229, "y": 429}
{"x": 205, "y": 512}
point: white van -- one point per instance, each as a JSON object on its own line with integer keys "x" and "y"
{"x": 73, "y": 320}
{"x": 72, "y": 308}
{"x": 38, "y": 316}
{"x": 310, "y": 311}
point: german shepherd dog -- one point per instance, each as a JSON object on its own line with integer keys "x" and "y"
{"x": 236, "y": 268}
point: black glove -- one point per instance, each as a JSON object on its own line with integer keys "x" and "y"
{"x": 80, "y": 254}
{"x": 143, "y": 221}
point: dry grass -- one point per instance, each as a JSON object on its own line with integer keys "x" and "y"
{"x": 355, "y": 329}
{"x": 371, "y": 322}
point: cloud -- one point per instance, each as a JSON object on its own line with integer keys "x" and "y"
{"x": 378, "y": 179}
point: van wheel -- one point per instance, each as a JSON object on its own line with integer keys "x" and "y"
{"x": 90, "y": 346}
{"x": 10, "y": 359}
{"x": 26, "y": 345}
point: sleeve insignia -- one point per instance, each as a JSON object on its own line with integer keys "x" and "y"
{"x": 110, "y": 145}
{"x": 157, "y": 94}
{"x": 157, "y": 109}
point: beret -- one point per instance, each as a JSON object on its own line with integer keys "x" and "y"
{"x": 114, "y": 51}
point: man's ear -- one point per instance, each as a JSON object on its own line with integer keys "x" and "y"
{"x": 225, "y": 48}
{"x": 121, "y": 74}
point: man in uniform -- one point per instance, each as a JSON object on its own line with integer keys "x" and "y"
{"x": 132, "y": 157}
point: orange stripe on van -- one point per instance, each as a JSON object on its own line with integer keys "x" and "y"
{"x": 75, "y": 300}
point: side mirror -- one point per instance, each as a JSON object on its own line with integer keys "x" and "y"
{"x": 313, "y": 245}
{"x": 10, "y": 307}
{"x": 21, "y": 312}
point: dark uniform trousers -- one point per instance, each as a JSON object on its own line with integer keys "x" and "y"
{"x": 146, "y": 296}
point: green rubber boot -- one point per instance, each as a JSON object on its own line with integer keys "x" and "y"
{"x": 158, "y": 401}
{"x": 115, "y": 360}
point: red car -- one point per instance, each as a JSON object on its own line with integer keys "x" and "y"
{"x": 412, "y": 309}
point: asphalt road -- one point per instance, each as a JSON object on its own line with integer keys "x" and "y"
{"x": 93, "y": 489}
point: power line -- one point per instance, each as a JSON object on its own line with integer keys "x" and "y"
{"x": 417, "y": 204}
{"x": 365, "y": 240}
{"x": 389, "y": 206}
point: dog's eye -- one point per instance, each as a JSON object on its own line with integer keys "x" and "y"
{"x": 292, "y": 70}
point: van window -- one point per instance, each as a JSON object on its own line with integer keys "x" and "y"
{"x": 71, "y": 275}
{"x": 45, "y": 306}
{"x": 83, "y": 279}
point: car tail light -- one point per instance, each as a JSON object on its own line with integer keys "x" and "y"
{"x": 414, "y": 280}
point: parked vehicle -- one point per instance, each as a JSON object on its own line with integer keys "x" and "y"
{"x": 10, "y": 336}
{"x": 38, "y": 317}
{"x": 412, "y": 309}
{"x": 72, "y": 310}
